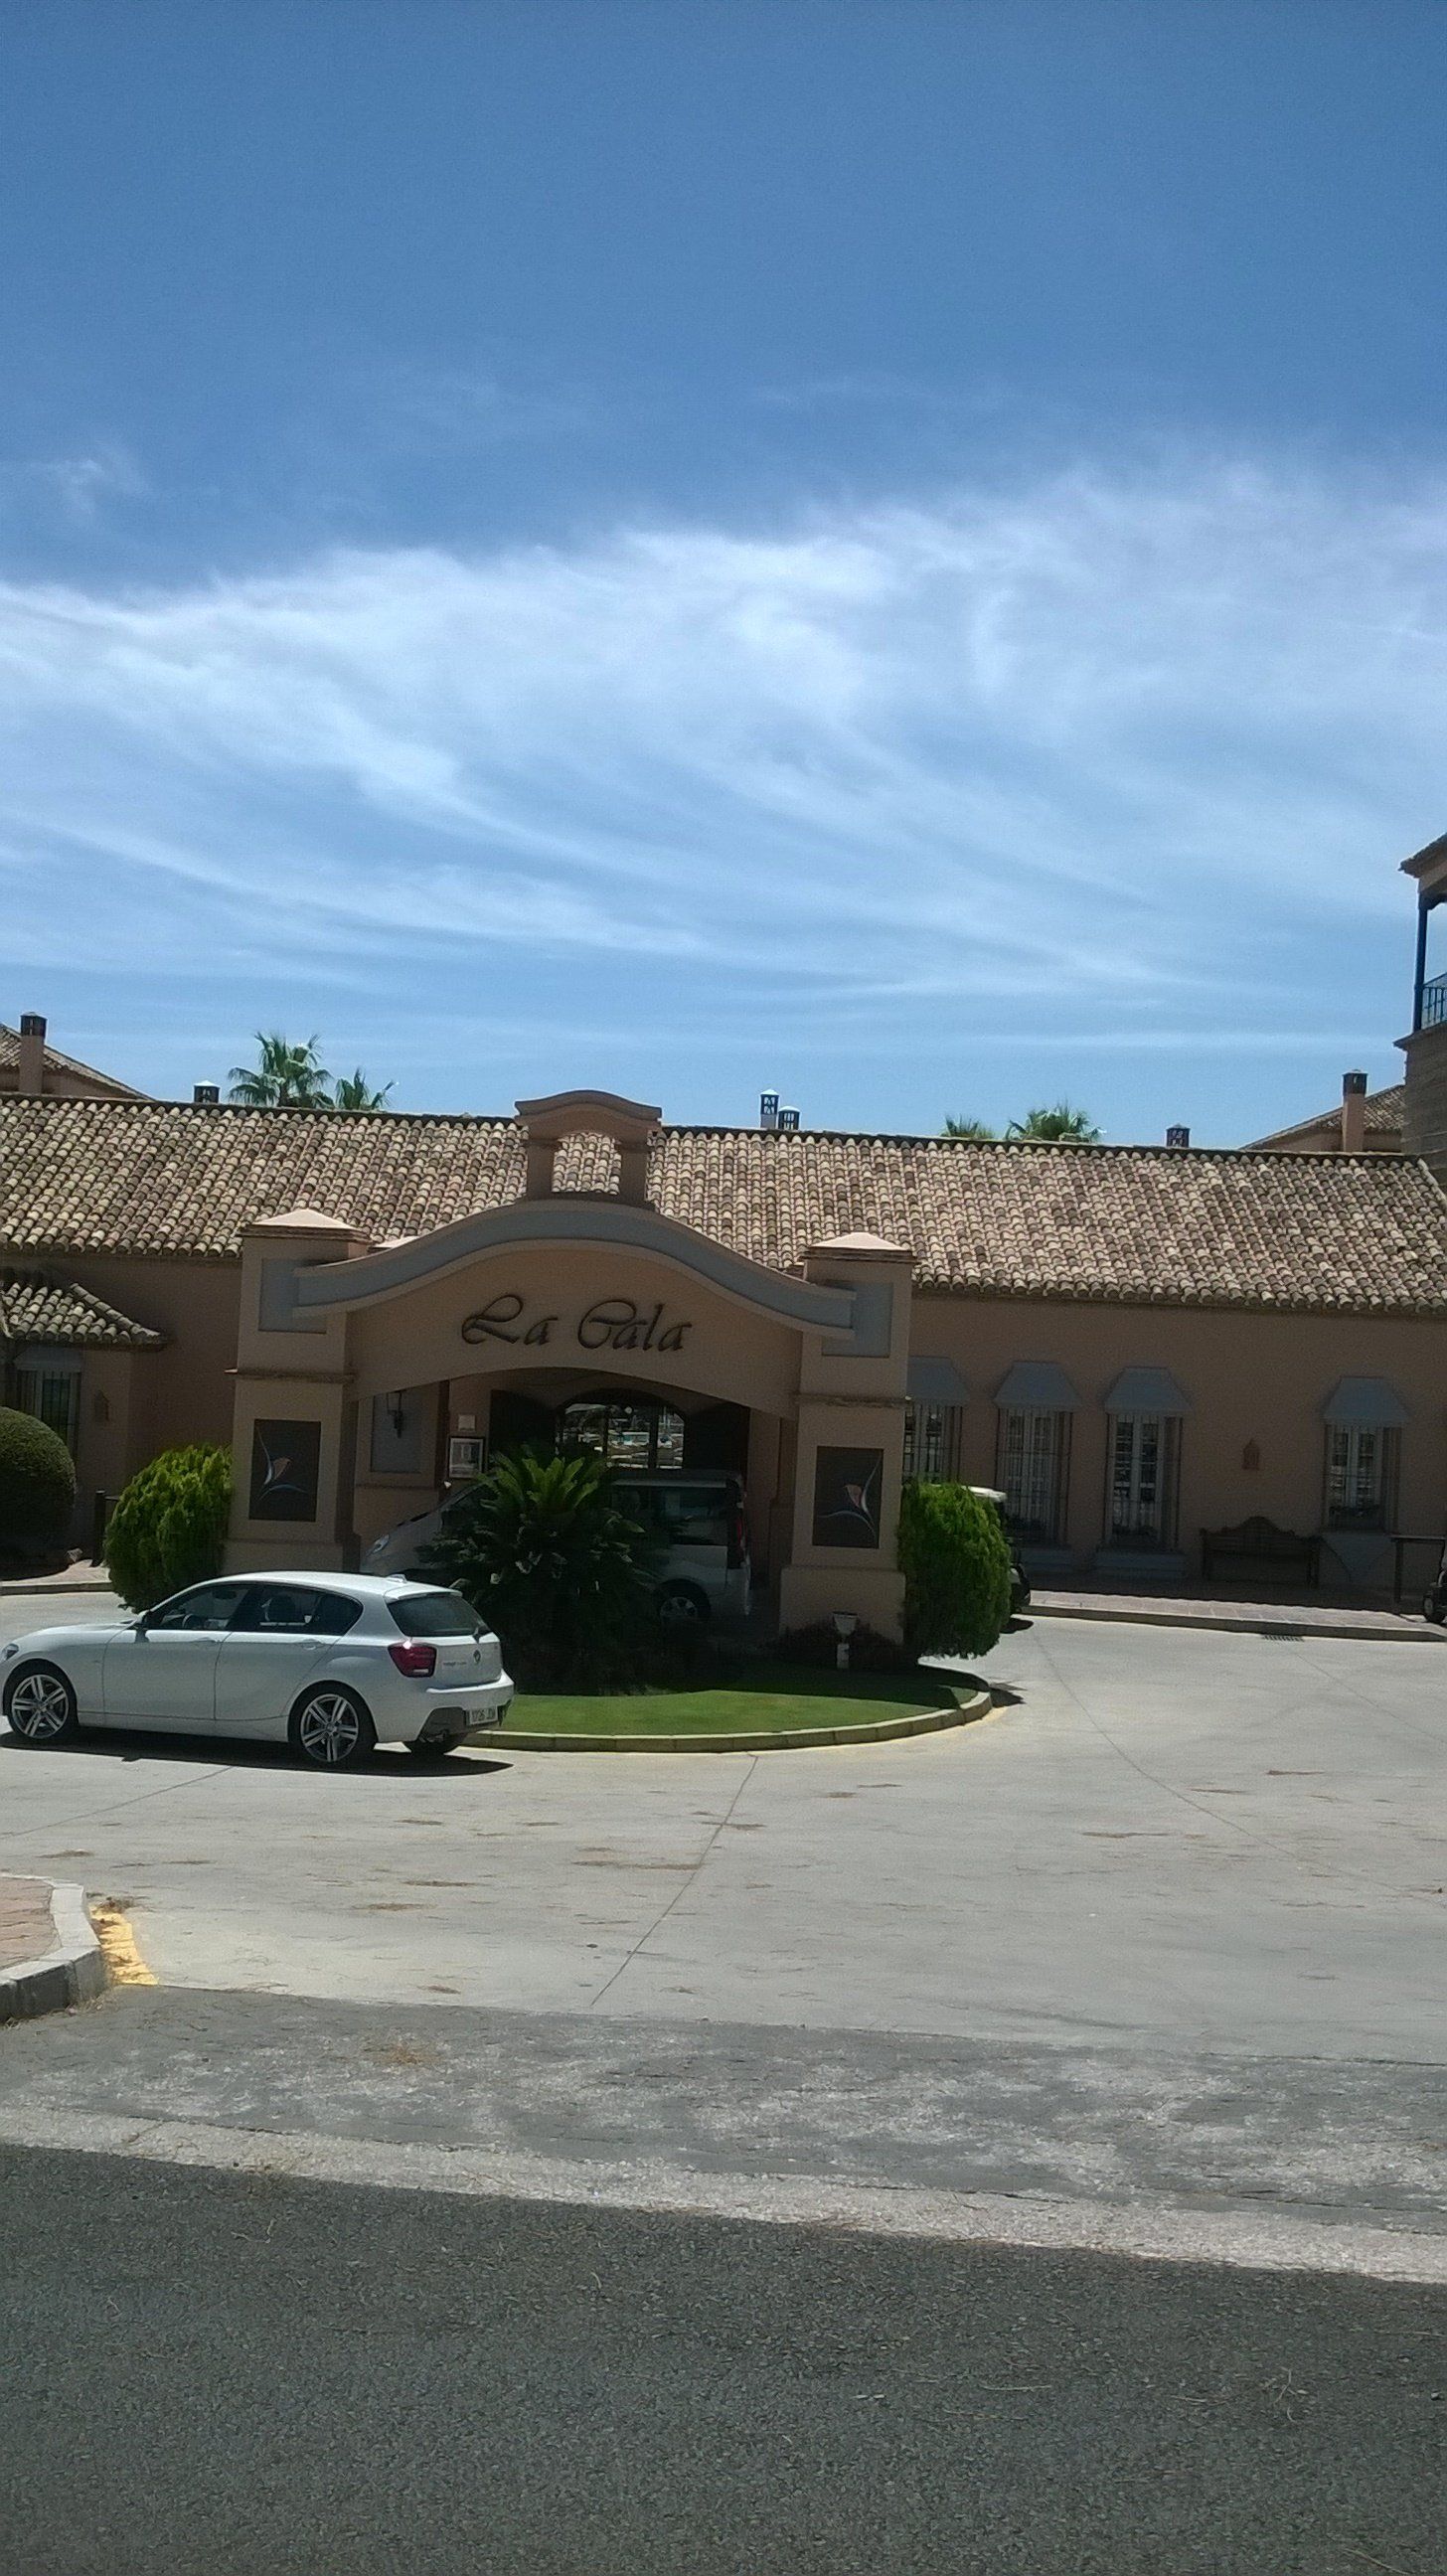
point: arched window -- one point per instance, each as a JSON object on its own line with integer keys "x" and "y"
{"x": 628, "y": 1431}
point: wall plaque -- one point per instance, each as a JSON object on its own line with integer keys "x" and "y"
{"x": 285, "y": 1461}
{"x": 847, "y": 1485}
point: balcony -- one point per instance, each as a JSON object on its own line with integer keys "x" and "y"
{"x": 1432, "y": 1004}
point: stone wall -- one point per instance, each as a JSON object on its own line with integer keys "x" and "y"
{"x": 1424, "y": 1126}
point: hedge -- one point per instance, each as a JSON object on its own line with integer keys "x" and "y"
{"x": 37, "y": 1489}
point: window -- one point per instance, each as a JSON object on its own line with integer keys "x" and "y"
{"x": 1145, "y": 1458}
{"x": 932, "y": 1441}
{"x": 285, "y": 1610}
{"x": 435, "y": 1614}
{"x": 1032, "y": 1467}
{"x": 683, "y": 1515}
{"x": 1361, "y": 1475}
{"x": 206, "y": 1606}
{"x": 626, "y": 1433}
{"x": 53, "y": 1396}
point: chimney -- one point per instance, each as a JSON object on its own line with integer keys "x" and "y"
{"x": 789, "y": 1120}
{"x": 207, "y": 1095}
{"x": 1178, "y": 1138}
{"x": 1353, "y": 1113}
{"x": 30, "y": 1069}
{"x": 768, "y": 1109}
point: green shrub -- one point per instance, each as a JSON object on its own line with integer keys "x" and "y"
{"x": 168, "y": 1528}
{"x": 545, "y": 1550}
{"x": 37, "y": 1489}
{"x": 955, "y": 1560}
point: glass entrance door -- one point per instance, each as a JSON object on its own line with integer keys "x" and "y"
{"x": 1143, "y": 1480}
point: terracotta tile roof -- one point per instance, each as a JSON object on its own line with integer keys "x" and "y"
{"x": 1386, "y": 1109}
{"x": 1384, "y": 1112}
{"x": 34, "y": 1308}
{"x": 55, "y": 1062}
{"x": 1311, "y": 1232}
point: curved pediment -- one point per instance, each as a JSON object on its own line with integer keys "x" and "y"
{"x": 610, "y": 1224}
{"x": 589, "y": 1113}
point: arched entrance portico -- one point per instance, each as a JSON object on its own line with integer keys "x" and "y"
{"x": 362, "y": 1365}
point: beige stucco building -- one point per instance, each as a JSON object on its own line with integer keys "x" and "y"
{"x": 1137, "y": 1344}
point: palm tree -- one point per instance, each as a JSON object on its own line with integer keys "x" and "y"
{"x": 354, "y": 1091}
{"x": 971, "y": 1130}
{"x": 1061, "y": 1125}
{"x": 286, "y": 1076}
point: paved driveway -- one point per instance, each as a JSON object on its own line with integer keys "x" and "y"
{"x": 1199, "y": 1840}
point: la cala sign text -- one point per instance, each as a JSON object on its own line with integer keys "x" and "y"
{"x": 612, "y": 1324}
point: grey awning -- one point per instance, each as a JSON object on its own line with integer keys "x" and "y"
{"x": 935, "y": 1381}
{"x": 1036, "y": 1386}
{"x": 1371, "y": 1400}
{"x": 1147, "y": 1390}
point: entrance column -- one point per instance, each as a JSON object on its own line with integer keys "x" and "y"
{"x": 293, "y": 1450}
{"x": 850, "y": 1463}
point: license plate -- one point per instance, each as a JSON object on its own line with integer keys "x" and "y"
{"x": 487, "y": 1717}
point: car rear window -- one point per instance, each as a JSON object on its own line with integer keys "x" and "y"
{"x": 434, "y": 1614}
{"x": 685, "y": 1515}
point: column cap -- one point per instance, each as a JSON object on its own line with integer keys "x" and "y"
{"x": 858, "y": 1247}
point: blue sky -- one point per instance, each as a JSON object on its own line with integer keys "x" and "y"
{"x": 893, "y": 552}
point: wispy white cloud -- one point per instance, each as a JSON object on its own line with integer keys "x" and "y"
{"x": 884, "y": 389}
{"x": 1091, "y": 748}
{"x": 77, "y": 486}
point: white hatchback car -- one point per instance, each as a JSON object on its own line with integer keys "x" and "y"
{"x": 332, "y": 1663}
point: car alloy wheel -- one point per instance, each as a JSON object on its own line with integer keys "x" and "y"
{"x": 332, "y": 1730}
{"x": 41, "y": 1706}
{"x": 680, "y": 1605}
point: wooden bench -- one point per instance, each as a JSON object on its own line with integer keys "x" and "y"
{"x": 1258, "y": 1542}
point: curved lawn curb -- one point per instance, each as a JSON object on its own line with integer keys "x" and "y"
{"x": 68, "y": 1970}
{"x": 969, "y": 1705}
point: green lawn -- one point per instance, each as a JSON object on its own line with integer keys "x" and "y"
{"x": 760, "y": 1698}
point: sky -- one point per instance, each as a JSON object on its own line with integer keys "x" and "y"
{"x": 894, "y": 553}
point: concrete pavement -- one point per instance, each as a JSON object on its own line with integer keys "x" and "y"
{"x": 1314, "y": 1618}
{"x": 1154, "y": 1956}
{"x": 331, "y": 2377}
{"x": 1170, "y": 1840}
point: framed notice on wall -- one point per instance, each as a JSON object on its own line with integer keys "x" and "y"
{"x": 846, "y": 1497}
{"x": 285, "y": 1461}
{"x": 466, "y": 1457}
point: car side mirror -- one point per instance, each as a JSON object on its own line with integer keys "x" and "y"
{"x": 140, "y": 1623}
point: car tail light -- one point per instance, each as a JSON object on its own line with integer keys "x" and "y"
{"x": 414, "y": 1659}
{"x": 738, "y": 1535}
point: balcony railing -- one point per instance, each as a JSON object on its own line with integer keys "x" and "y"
{"x": 1433, "y": 1009}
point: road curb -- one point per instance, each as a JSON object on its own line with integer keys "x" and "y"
{"x": 969, "y": 1707}
{"x": 1422, "y": 1635}
{"x": 71, "y": 1971}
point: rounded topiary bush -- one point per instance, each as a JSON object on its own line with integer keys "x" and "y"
{"x": 169, "y": 1526}
{"x": 37, "y": 1489}
{"x": 955, "y": 1560}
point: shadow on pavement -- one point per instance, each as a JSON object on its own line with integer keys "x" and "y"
{"x": 137, "y": 1744}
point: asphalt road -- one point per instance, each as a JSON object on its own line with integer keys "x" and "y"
{"x": 1165, "y": 1841}
{"x": 206, "y": 2374}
